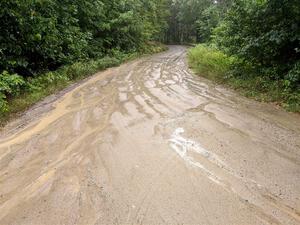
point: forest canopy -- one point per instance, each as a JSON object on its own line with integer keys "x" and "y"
{"x": 45, "y": 34}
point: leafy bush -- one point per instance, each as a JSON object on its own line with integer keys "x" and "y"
{"x": 264, "y": 33}
{"x": 45, "y": 35}
{"x": 10, "y": 85}
{"x": 39, "y": 35}
{"x": 208, "y": 60}
{"x": 292, "y": 79}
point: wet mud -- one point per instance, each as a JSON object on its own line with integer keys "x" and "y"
{"x": 150, "y": 143}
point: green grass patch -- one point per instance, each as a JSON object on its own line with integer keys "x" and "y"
{"x": 213, "y": 64}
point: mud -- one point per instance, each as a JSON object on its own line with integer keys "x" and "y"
{"x": 151, "y": 143}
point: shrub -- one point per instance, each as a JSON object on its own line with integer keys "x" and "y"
{"x": 207, "y": 60}
{"x": 246, "y": 78}
{"x": 292, "y": 79}
{"x": 272, "y": 46}
{"x": 10, "y": 85}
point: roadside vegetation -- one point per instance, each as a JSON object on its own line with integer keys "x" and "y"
{"x": 47, "y": 44}
{"x": 250, "y": 45}
{"x": 21, "y": 93}
{"x": 215, "y": 65}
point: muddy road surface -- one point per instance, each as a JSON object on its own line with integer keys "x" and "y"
{"x": 150, "y": 143}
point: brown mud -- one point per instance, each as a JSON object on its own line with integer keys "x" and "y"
{"x": 151, "y": 143}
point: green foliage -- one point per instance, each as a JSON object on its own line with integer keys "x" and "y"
{"x": 271, "y": 46}
{"x": 10, "y": 85}
{"x": 38, "y": 35}
{"x": 292, "y": 79}
{"x": 208, "y": 60}
{"x": 194, "y": 20}
{"x": 216, "y": 65}
{"x": 182, "y": 20}
{"x": 208, "y": 20}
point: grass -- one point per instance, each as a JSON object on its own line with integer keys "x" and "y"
{"x": 215, "y": 65}
{"x": 41, "y": 86}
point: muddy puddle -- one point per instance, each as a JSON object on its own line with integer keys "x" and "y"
{"x": 151, "y": 143}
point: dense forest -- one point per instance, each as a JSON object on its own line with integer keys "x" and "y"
{"x": 250, "y": 44}
{"x": 44, "y": 34}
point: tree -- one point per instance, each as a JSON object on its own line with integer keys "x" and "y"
{"x": 265, "y": 33}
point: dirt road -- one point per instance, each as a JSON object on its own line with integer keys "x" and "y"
{"x": 150, "y": 143}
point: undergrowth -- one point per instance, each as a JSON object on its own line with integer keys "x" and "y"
{"x": 213, "y": 64}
